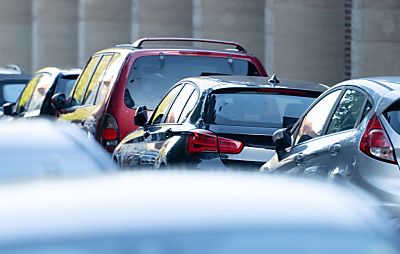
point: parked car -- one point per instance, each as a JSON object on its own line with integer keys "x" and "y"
{"x": 40, "y": 148}
{"x": 216, "y": 121}
{"x": 350, "y": 133}
{"x": 11, "y": 86}
{"x": 190, "y": 212}
{"x": 117, "y": 80}
{"x": 10, "y": 69}
{"x": 35, "y": 99}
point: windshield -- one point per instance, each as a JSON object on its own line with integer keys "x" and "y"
{"x": 256, "y": 109}
{"x": 152, "y": 76}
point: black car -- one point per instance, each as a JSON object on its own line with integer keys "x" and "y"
{"x": 35, "y": 99}
{"x": 11, "y": 86}
{"x": 216, "y": 122}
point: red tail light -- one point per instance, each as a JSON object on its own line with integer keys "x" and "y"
{"x": 207, "y": 142}
{"x": 110, "y": 133}
{"x": 376, "y": 143}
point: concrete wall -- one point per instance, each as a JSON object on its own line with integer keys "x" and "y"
{"x": 375, "y": 38}
{"x": 16, "y": 33}
{"x": 300, "y": 39}
{"x": 55, "y": 41}
{"x": 305, "y": 39}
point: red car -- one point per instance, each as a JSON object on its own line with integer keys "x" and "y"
{"x": 117, "y": 80}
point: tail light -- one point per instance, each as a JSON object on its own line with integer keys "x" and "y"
{"x": 207, "y": 142}
{"x": 376, "y": 143}
{"x": 110, "y": 133}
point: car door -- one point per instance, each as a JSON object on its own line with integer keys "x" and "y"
{"x": 306, "y": 136}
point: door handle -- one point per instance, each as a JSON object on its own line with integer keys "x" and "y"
{"x": 334, "y": 149}
{"x": 298, "y": 158}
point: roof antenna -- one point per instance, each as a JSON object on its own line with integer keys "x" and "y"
{"x": 273, "y": 80}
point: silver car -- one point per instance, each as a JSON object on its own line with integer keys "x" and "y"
{"x": 190, "y": 212}
{"x": 351, "y": 133}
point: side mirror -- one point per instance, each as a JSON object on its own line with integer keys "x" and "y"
{"x": 8, "y": 108}
{"x": 58, "y": 101}
{"x": 282, "y": 141}
{"x": 140, "y": 118}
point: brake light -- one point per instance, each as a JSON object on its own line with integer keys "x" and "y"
{"x": 376, "y": 143}
{"x": 207, "y": 142}
{"x": 110, "y": 134}
{"x": 280, "y": 90}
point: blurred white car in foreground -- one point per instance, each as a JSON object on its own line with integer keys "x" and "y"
{"x": 32, "y": 148}
{"x": 189, "y": 212}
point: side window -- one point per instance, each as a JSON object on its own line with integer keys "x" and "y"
{"x": 189, "y": 106}
{"x": 39, "y": 93}
{"x": 95, "y": 81}
{"x": 26, "y": 94}
{"x": 163, "y": 106}
{"x": 313, "y": 123}
{"x": 179, "y": 103}
{"x": 111, "y": 72}
{"x": 347, "y": 112}
{"x": 367, "y": 108}
{"x": 80, "y": 86}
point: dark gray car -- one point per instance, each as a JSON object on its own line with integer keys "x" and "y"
{"x": 351, "y": 132}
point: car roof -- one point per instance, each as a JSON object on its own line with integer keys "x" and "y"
{"x": 165, "y": 201}
{"x": 224, "y": 81}
{"x": 46, "y": 146}
{"x": 54, "y": 71}
{"x": 5, "y": 77}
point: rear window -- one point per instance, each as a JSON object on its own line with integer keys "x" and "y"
{"x": 256, "y": 109}
{"x": 152, "y": 76}
{"x": 392, "y": 115}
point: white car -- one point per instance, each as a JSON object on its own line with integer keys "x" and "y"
{"x": 36, "y": 148}
{"x": 189, "y": 212}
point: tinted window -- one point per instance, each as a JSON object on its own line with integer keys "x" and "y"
{"x": 392, "y": 115}
{"x": 65, "y": 84}
{"x": 112, "y": 72}
{"x": 12, "y": 91}
{"x": 256, "y": 109}
{"x": 96, "y": 79}
{"x": 82, "y": 82}
{"x": 39, "y": 92}
{"x": 347, "y": 112}
{"x": 313, "y": 123}
{"x": 152, "y": 76}
{"x": 163, "y": 106}
{"x": 179, "y": 103}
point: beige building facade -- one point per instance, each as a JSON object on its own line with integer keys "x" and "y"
{"x": 321, "y": 41}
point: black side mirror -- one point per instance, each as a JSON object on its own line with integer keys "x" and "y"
{"x": 8, "y": 108}
{"x": 140, "y": 118}
{"x": 58, "y": 101}
{"x": 282, "y": 141}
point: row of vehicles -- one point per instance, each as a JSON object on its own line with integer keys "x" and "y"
{"x": 194, "y": 107}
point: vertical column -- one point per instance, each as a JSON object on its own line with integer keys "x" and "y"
{"x": 105, "y": 24}
{"x": 166, "y": 18}
{"x": 375, "y": 38}
{"x": 307, "y": 41}
{"x": 16, "y": 34}
{"x": 347, "y": 38}
{"x": 55, "y": 26}
{"x": 235, "y": 20}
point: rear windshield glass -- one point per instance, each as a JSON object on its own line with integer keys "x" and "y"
{"x": 152, "y": 76}
{"x": 392, "y": 115}
{"x": 256, "y": 109}
{"x": 11, "y": 92}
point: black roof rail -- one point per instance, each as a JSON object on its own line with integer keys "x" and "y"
{"x": 239, "y": 47}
